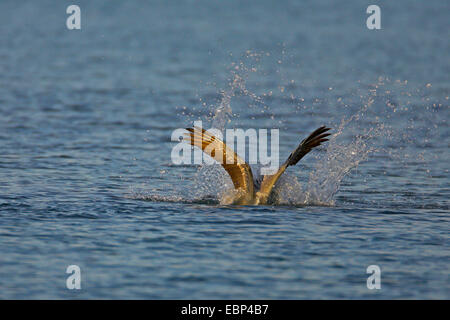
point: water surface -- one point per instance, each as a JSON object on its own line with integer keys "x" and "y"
{"x": 86, "y": 176}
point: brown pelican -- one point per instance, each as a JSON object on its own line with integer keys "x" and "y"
{"x": 245, "y": 190}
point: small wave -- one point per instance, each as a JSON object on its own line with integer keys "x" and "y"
{"x": 173, "y": 199}
{"x": 277, "y": 200}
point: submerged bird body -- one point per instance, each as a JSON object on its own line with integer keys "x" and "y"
{"x": 245, "y": 191}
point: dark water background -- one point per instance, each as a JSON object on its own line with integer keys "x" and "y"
{"x": 85, "y": 170}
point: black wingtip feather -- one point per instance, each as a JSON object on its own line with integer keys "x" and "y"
{"x": 313, "y": 140}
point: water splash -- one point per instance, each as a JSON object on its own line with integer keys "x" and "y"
{"x": 369, "y": 124}
{"x": 327, "y": 174}
{"x": 330, "y": 168}
{"x": 207, "y": 176}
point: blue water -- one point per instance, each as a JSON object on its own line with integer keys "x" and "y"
{"x": 86, "y": 176}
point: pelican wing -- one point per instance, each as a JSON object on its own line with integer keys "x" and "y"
{"x": 312, "y": 141}
{"x": 235, "y": 166}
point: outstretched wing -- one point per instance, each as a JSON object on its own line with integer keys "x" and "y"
{"x": 235, "y": 166}
{"x": 312, "y": 141}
